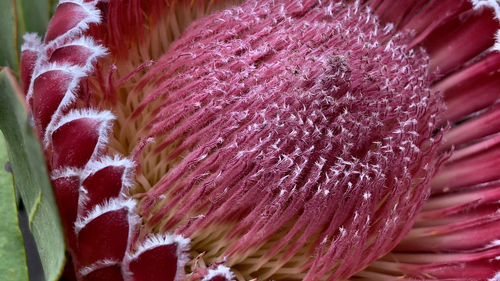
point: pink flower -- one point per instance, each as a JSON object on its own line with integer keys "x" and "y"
{"x": 277, "y": 140}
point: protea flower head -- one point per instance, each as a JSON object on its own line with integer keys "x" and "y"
{"x": 272, "y": 140}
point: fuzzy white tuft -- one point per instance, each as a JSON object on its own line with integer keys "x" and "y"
{"x": 111, "y": 205}
{"x": 83, "y": 199}
{"x": 496, "y": 277}
{"x": 219, "y": 271}
{"x": 496, "y": 47}
{"x": 494, "y": 4}
{"x": 97, "y": 265}
{"x": 117, "y": 161}
{"x": 66, "y": 172}
{"x": 103, "y": 116}
{"x": 32, "y": 42}
{"x": 156, "y": 240}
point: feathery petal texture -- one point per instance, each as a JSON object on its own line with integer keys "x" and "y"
{"x": 279, "y": 140}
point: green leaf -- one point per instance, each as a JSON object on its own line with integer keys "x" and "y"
{"x": 12, "y": 254}
{"x": 53, "y": 6}
{"x": 31, "y": 177}
{"x": 16, "y": 18}
{"x": 34, "y": 14}
{"x": 9, "y": 54}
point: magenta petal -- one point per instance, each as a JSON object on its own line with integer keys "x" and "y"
{"x": 157, "y": 264}
{"x": 72, "y": 54}
{"x": 74, "y": 142}
{"x": 479, "y": 168}
{"x": 66, "y": 193}
{"x": 472, "y": 271}
{"x": 49, "y": 89}
{"x": 395, "y": 11}
{"x": 107, "y": 273}
{"x": 30, "y": 52}
{"x": 159, "y": 258}
{"x": 104, "y": 184}
{"x": 472, "y": 88}
{"x": 104, "y": 237}
{"x": 485, "y": 124}
{"x": 469, "y": 234}
{"x": 433, "y": 15}
{"x": 450, "y": 45}
{"x": 67, "y": 16}
{"x": 28, "y": 59}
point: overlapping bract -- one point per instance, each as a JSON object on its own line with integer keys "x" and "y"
{"x": 89, "y": 184}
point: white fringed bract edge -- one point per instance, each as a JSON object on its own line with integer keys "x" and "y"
{"x": 219, "y": 271}
{"x": 157, "y": 240}
{"x": 108, "y": 206}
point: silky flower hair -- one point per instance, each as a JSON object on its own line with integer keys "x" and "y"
{"x": 278, "y": 140}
